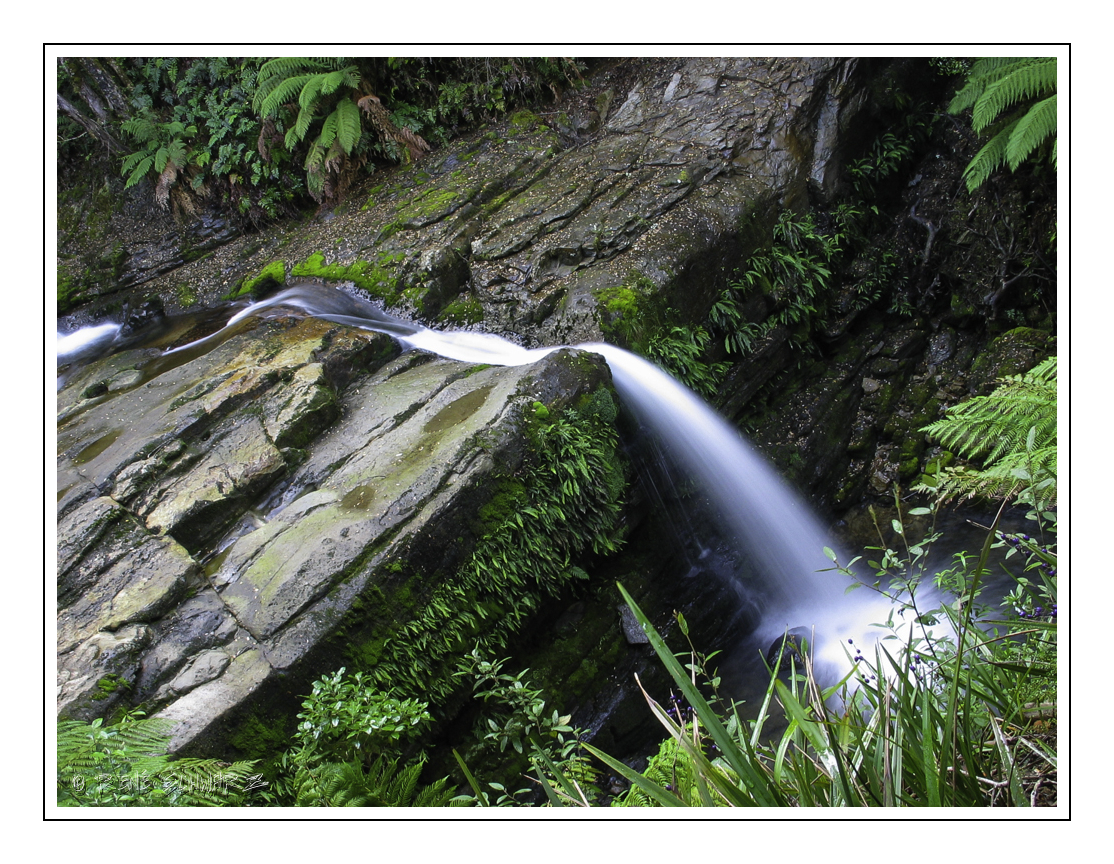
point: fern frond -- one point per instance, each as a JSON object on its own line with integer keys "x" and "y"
{"x": 205, "y": 782}
{"x": 1032, "y": 130}
{"x": 348, "y": 126}
{"x": 278, "y": 92}
{"x": 983, "y": 73}
{"x": 348, "y": 784}
{"x": 301, "y": 126}
{"x": 348, "y": 77}
{"x": 1012, "y": 431}
{"x": 328, "y": 132}
{"x": 141, "y": 128}
{"x": 1023, "y": 80}
{"x": 140, "y": 170}
{"x": 991, "y": 157}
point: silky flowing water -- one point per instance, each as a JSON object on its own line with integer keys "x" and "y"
{"x": 788, "y": 579}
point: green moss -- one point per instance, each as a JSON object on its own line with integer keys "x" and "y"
{"x": 186, "y": 294}
{"x": 629, "y": 311}
{"x": 461, "y": 312}
{"x": 71, "y": 293}
{"x": 109, "y": 685}
{"x": 508, "y": 498}
{"x": 524, "y": 121}
{"x": 375, "y": 277}
{"x": 271, "y": 276}
{"x": 257, "y": 737}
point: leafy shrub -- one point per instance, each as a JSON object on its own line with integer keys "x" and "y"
{"x": 344, "y": 716}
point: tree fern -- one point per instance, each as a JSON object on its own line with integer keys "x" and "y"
{"x": 1012, "y": 432}
{"x": 1016, "y": 83}
{"x": 1036, "y": 126}
{"x": 995, "y": 86}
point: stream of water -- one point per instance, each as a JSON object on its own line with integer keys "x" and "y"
{"x": 767, "y": 521}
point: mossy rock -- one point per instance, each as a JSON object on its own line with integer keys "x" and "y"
{"x": 270, "y": 277}
{"x": 1013, "y": 353}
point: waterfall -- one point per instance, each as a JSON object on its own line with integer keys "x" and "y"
{"x": 768, "y": 521}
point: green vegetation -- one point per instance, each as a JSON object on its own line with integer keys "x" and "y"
{"x": 462, "y": 312}
{"x": 329, "y": 90}
{"x": 125, "y": 765}
{"x": 564, "y": 504}
{"x": 375, "y": 277}
{"x": 229, "y": 129}
{"x": 1012, "y": 431}
{"x": 271, "y": 276}
{"x": 1012, "y": 99}
{"x": 346, "y": 750}
{"x": 199, "y": 135}
{"x": 521, "y": 720}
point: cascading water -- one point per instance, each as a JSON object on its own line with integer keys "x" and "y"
{"x": 770, "y": 523}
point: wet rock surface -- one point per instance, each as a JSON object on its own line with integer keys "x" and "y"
{"x": 220, "y": 518}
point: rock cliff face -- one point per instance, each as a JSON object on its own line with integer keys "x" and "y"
{"x": 521, "y": 227}
{"x": 228, "y": 518}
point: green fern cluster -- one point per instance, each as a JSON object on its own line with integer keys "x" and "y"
{"x": 1023, "y": 89}
{"x": 321, "y": 88}
{"x": 165, "y": 152}
{"x": 381, "y": 784}
{"x": 563, "y": 505}
{"x": 672, "y": 769}
{"x": 681, "y": 351}
{"x": 1012, "y": 432}
{"x": 126, "y": 765}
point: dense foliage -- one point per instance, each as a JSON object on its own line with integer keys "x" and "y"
{"x": 227, "y": 130}
{"x": 125, "y": 765}
{"x": 957, "y": 710}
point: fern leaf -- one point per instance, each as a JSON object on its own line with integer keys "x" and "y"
{"x": 284, "y": 67}
{"x": 1032, "y": 130}
{"x": 348, "y": 127}
{"x": 1024, "y": 80}
{"x": 328, "y": 132}
{"x": 140, "y": 170}
{"x": 141, "y": 128}
{"x": 989, "y": 158}
{"x": 269, "y": 98}
{"x": 348, "y": 76}
{"x": 1012, "y": 431}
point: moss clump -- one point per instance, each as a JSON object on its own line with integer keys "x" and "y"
{"x": 524, "y": 121}
{"x": 71, "y": 293}
{"x": 271, "y": 276}
{"x": 461, "y": 312}
{"x": 375, "y": 277}
{"x": 186, "y": 294}
{"x": 627, "y": 312}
